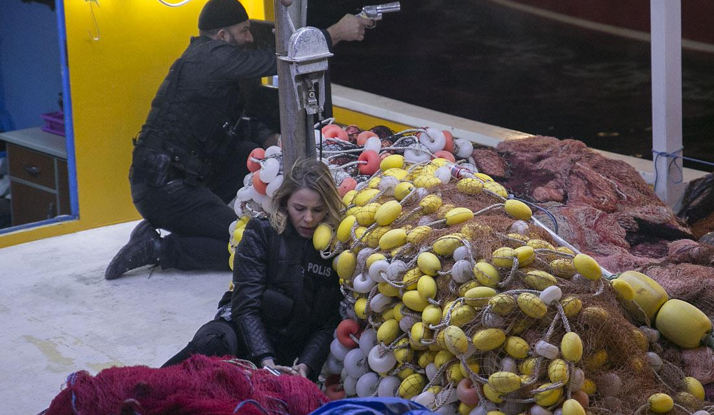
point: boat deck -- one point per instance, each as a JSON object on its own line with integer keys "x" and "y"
{"x": 59, "y": 315}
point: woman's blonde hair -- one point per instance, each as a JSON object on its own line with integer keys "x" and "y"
{"x": 306, "y": 174}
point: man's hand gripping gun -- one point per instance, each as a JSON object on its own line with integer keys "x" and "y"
{"x": 375, "y": 12}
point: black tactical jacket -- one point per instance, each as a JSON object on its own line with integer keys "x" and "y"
{"x": 285, "y": 300}
{"x": 194, "y": 115}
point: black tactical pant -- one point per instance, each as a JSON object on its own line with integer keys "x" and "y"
{"x": 215, "y": 338}
{"x": 198, "y": 217}
{"x": 221, "y": 338}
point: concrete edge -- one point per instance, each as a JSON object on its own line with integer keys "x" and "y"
{"x": 477, "y": 132}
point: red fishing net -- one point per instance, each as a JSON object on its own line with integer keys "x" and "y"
{"x": 200, "y": 385}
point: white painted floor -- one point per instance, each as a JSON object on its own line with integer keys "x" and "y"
{"x": 59, "y": 315}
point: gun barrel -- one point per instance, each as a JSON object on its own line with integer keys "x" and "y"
{"x": 389, "y": 7}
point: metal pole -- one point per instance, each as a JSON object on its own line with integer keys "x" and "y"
{"x": 294, "y": 130}
{"x": 666, "y": 23}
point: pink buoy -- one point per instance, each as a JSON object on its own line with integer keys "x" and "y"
{"x": 258, "y": 154}
{"x": 445, "y": 155}
{"x": 364, "y": 136}
{"x": 372, "y": 165}
{"x": 344, "y": 329}
{"x": 347, "y": 184}
{"x": 466, "y": 392}
{"x": 334, "y": 131}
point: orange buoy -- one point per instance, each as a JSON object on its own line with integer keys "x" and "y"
{"x": 347, "y": 184}
{"x": 364, "y": 136}
{"x": 445, "y": 155}
{"x": 449, "y": 141}
{"x": 372, "y": 165}
{"x": 335, "y": 392}
{"x": 344, "y": 329}
{"x": 467, "y": 393}
{"x": 257, "y": 153}
{"x": 258, "y": 184}
{"x": 334, "y": 131}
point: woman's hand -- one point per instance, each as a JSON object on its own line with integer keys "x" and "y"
{"x": 269, "y": 362}
{"x": 301, "y": 369}
{"x": 286, "y": 369}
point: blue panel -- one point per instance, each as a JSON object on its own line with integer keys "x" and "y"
{"x": 372, "y": 406}
{"x": 30, "y": 80}
{"x": 69, "y": 126}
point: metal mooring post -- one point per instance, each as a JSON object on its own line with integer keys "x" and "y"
{"x": 302, "y": 61}
{"x": 666, "y": 23}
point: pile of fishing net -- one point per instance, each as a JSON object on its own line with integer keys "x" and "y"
{"x": 605, "y": 208}
{"x": 200, "y": 385}
{"x": 601, "y": 205}
{"x": 462, "y": 300}
{"x": 459, "y": 298}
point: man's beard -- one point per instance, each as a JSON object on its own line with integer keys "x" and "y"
{"x": 233, "y": 41}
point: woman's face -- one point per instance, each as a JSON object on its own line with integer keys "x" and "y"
{"x": 306, "y": 211}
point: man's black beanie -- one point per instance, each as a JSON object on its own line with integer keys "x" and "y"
{"x": 217, "y": 14}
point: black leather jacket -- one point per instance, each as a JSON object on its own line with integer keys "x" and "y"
{"x": 285, "y": 300}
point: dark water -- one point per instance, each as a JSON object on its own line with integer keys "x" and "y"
{"x": 488, "y": 63}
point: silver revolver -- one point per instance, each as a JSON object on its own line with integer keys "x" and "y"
{"x": 375, "y": 12}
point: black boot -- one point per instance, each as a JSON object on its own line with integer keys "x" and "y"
{"x": 143, "y": 248}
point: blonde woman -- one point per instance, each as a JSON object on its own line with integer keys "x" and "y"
{"x": 284, "y": 305}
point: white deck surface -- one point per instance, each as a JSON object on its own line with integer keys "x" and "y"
{"x": 59, "y": 315}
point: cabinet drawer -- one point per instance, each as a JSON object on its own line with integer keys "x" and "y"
{"x": 31, "y": 166}
{"x": 30, "y": 204}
